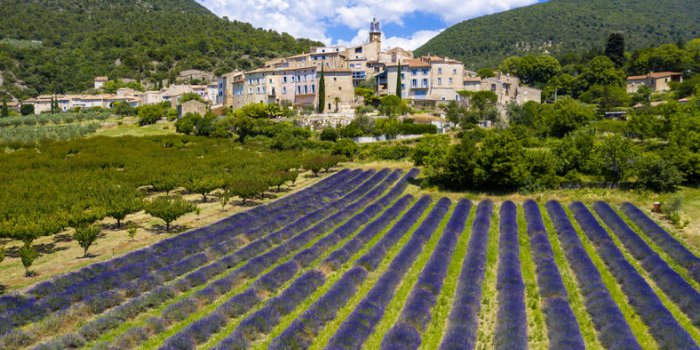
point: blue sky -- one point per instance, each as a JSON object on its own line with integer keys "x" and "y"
{"x": 405, "y": 23}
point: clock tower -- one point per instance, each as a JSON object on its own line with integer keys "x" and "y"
{"x": 375, "y": 32}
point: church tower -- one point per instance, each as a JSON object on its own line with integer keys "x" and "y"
{"x": 375, "y": 32}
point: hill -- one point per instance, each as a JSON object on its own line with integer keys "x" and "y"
{"x": 566, "y": 26}
{"x": 60, "y": 46}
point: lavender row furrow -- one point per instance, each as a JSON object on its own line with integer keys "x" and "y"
{"x": 613, "y": 331}
{"x": 463, "y": 320}
{"x": 672, "y": 283}
{"x": 416, "y": 314}
{"x": 265, "y": 319}
{"x": 511, "y": 321}
{"x": 354, "y": 331}
{"x": 111, "y": 320}
{"x": 302, "y": 331}
{"x": 564, "y": 332}
{"x": 664, "y": 240}
{"x": 668, "y": 333}
{"x": 99, "y": 277}
{"x": 273, "y": 280}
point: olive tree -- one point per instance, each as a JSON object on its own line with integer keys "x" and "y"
{"x": 85, "y": 236}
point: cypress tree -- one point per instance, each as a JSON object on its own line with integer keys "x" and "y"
{"x": 399, "y": 91}
{"x": 322, "y": 92}
{"x": 5, "y": 110}
{"x": 615, "y": 48}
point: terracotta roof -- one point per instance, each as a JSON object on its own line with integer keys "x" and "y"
{"x": 417, "y": 63}
{"x": 657, "y": 75}
{"x": 663, "y": 75}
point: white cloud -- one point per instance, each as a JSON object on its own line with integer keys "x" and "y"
{"x": 312, "y": 18}
{"x": 413, "y": 42}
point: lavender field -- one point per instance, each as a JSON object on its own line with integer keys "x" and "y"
{"x": 355, "y": 262}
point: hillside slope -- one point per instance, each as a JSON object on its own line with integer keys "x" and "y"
{"x": 563, "y": 26}
{"x": 61, "y": 45}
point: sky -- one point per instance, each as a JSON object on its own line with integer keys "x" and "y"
{"x": 405, "y": 23}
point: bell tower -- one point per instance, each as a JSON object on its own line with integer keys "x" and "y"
{"x": 375, "y": 31}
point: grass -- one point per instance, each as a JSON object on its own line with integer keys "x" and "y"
{"x": 639, "y": 329}
{"x": 329, "y": 330}
{"x": 403, "y": 290}
{"x": 677, "y": 313}
{"x": 129, "y": 127}
{"x": 331, "y": 279}
{"x": 489, "y": 300}
{"x": 536, "y": 328}
{"x": 432, "y": 336}
{"x": 576, "y": 300}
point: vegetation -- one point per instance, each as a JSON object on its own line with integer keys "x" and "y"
{"x": 75, "y": 183}
{"x": 148, "y": 42}
{"x": 565, "y": 29}
{"x": 85, "y": 236}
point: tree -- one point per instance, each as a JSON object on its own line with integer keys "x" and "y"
{"x": 168, "y": 208}
{"x": 575, "y": 151}
{"x": 484, "y": 73}
{"x": 399, "y": 88}
{"x": 392, "y": 106}
{"x": 150, "y": 114}
{"x": 322, "y": 92}
{"x": 122, "y": 202}
{"x": 86, "y": 236}
{"x": 246, "y": 188}
{"x": 429, "y": 145}
{"x": 28, "y": 254}
{"x": 615, "y": 49}
{"x": 347, "y": 148}
{"x": 614, "y": 158}
{"x": 190, "y": 96}
{"x": 26, "y": 109}
{"x": 204, "y": 185}
{"x": 329, "y": 134}
{"x": 563, "y": 117}
{"x": 657, "y": 174}
{"x": 501, "y": 163}
{"x": 5, "y": 111}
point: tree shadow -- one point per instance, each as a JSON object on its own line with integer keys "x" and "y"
{"x": 3, "y": 289}
{"x": 62, "y": 238}
{"x": 48, "y": 248}
{"x": 88, "y": 256}
{"x": 248, "y": 203}
{"x": 159, "y": 229}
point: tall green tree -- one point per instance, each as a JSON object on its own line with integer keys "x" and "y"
{"x": 169, "y": 209}
{"x": 5, "y": 111}
{"x": 399, "y": 90}
{"x": 322, "y": 92}
{"x": 615, "y": 49}
{"x": 86, "y": 236}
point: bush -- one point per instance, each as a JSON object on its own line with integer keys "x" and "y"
{"x": 150, "y": 114}
{"x": 26, "y": 109}
{"x": 329, "y": 134}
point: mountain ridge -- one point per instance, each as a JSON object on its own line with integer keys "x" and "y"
{"x": 560, "y": 27}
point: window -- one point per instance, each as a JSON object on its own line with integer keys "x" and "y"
{"x": 358, "y": 49}
{"x": 306, "y": 89}
{"x": 414, "y": 83}
{"x": 250, "y": 90}
{"x": 335, "y": 79}
{"x": 402, "y": 76}
{"x": 454, "y": 71}
{"x": 439, "y": 81}
{"x": 414, "y": 71}
{"x": 270, "y": 81}
{"x": 425, "y": 71}
{"x": 313, "y": 89}
{"x": 450, "y": 81}
{"x": 425, "y": 82}
{"x": 284, "y": 90}
{"x": 440, "y": 71}
{"x": 284, "y": 79}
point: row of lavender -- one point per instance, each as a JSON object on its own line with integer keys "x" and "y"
{"x": 255, "y": 257}
{"x": 61, "y": 292}
{"x": 159, "y": 293}
{"x": 261, "y": 321}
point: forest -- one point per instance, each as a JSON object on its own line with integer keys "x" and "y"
{"x": 61, "y": 46}
{"x": 561, "y": 27}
